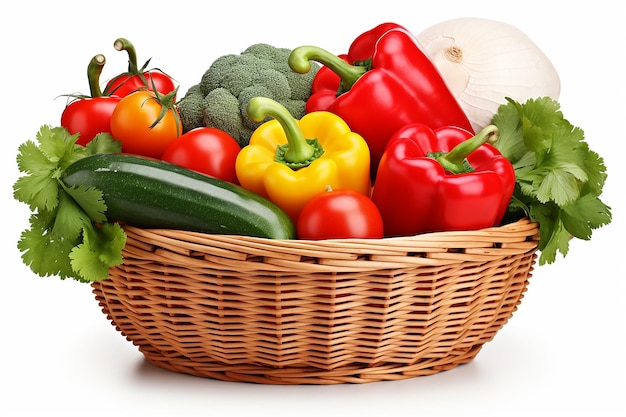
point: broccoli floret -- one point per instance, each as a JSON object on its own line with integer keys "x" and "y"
{"x": 218, "y": 74}
{"x": 260, "y": 70}
{"x": 276, "y": 57}
{"x": 244, "y": 98}
{"x": 300, "y": 83}
{"x": 191, "y": 108}
{"x": 237, "y": 72}
{"x": 294, "y": 106}
{"x": 232, "y": 72}
{"x": 222, "y": 112}
{"x": 274, "y": 81}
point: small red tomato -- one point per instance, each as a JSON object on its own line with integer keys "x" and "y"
{"x": 89, "y": 116}
{"x": 207, "y": 150}
{"x": 339, "y": 214}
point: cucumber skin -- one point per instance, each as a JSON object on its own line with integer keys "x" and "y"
{"x": 154, "y": 194}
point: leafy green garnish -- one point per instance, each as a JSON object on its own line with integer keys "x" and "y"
{"x": 69, "y": 235}
{"x": 559, "y": 180}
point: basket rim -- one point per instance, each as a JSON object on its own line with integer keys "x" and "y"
{"x": 445, "y": 247}
{"x": 522, "y": 227}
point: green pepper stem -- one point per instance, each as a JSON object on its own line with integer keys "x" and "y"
{"x": 454, "y": 161}
{"x": 299, "y": 61}
{"x": 94, "y": 69}
{"x": 299, "y": 151}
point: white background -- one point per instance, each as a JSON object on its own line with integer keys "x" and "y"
{"x": 562, "y": 353}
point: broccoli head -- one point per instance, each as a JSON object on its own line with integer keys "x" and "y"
{"x": 220, "y": 98}
{"x": 222, "y": 111}
{"x": 276, "y": 57}
{"x": 300, "y": 83}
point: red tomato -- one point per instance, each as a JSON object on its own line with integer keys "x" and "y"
{"x": 208, "y": 150}
{"x": 89, "y": 116}
{"x": 340, "y": 214}
{"x": 138, "y": 124}
{"x": 124, "y": 84}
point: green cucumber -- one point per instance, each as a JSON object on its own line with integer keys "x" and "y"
{"x": 150, "y": 194}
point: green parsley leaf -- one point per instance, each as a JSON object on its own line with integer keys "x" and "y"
{"x": 68, "y": 235}
{"x": 103, "y": 143}
{"x": 100, "y": 249}
{"x": 558, "y": 178}
{"x": 38, "y": 189}
{"x": 69, "y": 220}
{"x": 90, "y": 201}
{"x": 580, "y": 217}
{"x": 54, "y": 143}
{"x": 45, "y": 254}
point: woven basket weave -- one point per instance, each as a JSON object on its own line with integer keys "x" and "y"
{"x": 325, "y": 312}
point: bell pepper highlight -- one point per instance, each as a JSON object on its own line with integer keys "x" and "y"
{"x": 395, "y": 86}
{"x": 443, "y": 179}
{"x": 289, "y": 161}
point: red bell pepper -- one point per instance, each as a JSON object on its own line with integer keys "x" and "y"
{"x": 384, "y": 83}
{"x": 364, "y": 45}
{"x": 90, "y": 115}
{"x": 442, "y": 179}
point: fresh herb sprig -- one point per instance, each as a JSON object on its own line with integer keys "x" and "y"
{"x": 559, "y": 179}
{"x": 69, "y": 235}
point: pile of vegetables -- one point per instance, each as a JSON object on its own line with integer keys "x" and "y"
{"x": 391, "y": 138}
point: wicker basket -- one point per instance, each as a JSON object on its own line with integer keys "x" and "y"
{"x": 327, "y": 312}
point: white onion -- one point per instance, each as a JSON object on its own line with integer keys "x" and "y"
{"x": 484, "y": 61}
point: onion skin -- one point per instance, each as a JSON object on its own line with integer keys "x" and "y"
{"x": 485, "y": 61}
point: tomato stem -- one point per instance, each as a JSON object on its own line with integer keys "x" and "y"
{"x": 167, "y": 102}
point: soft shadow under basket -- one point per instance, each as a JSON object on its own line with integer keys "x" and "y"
{"x": 316, "y": 312}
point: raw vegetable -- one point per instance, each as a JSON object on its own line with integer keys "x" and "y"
{"x": 219, "y": 100}
{"x": 137, "y": 78}
{"x": 443, "y": 179}
{"x": 63, "y": 238}
{"x": 289, "y": 160}
{"x": 363, "y": 46}
{"x": 207, "y": 150}
{"x": 559, "y": 179}
{"x": 394, "y": 86}
{"x": 146, "y": 122}
{"x": 90, "y": 115}
{"x": 340, "y": 214}
{"x": 148, "y": 193}
{"x": 483, "y": 61}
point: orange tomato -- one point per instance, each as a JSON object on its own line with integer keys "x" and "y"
{"x": 145, "y": 123}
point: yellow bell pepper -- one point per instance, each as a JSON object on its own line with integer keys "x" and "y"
{"x": 289, "y": 161}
